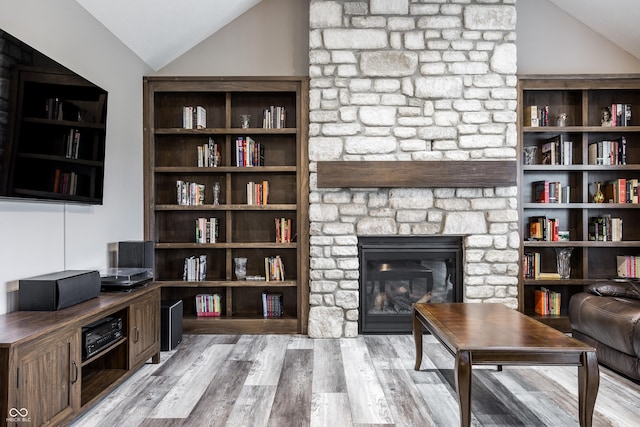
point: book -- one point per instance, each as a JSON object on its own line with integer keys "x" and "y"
{"x": 187, "y": 117}
{"x": 540, "y": 191}
{"x": 557, "y": 151}
{"x": 628, "y": 266}
{"x": 274, "y": 269}
{"x": 201, "y": 117}
{"x": 531, "y": 116}
{"x": 272, "y": 304}
{"x": 615, "y": 191}
{"x": 195, "y": 268}
{"x": 206, "y": 230}
{"x": 283, "y": 230}
{"x": 208, "y": 305}
{"x": 540, "y": 303}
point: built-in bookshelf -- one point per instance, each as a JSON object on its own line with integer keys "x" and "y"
{"x": 570, "y": 144}
{"x": 217, "y": 190}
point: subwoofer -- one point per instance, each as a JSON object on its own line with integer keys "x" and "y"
{"x": 170, "y": 324}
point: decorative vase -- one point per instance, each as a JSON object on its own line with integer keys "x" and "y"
{"x": 563, "y": 262}
{"x": 598, "y": 197}
{"x": 240, "y": 267}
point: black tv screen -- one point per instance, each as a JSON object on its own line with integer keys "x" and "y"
{"x": 52, "y": 128}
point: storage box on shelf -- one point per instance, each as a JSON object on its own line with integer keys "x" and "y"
{"x": 247, "y": 178}
{"x": 571, "y": 159}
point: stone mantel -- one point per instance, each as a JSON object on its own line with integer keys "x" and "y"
{"x": 416, "y": 174}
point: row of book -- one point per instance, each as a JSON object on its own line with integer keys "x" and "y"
{"x": 274, "y": 117}
{"x": 209, "y": 155}
{"x": 536, "y": 116}
{"x": 208, "y": 305}
{"x": 65, "y": 182}
{"x": 557, "y": 151}
{"x": 605, "y": 228}
{"x": 531, "y": 268}
{"x": 546, "y": 229}
{"x": 194, "y": 117}
{"x": 283, "y": 230}
{"x": 621, "y": 190}
{"x": 274, "y": 269}
{"x": 546, "y": 191}
{"x": 206, "y": 230}
{"x": 271, "y": 305}
{"x": 608, "y": 152}
{"x": 195, "y": 268}
{"x": 547, "y": 302}
{"x": 59, "y": 109}
{"x": 72, "y": 144}
{"x": 628, "y": 266}
{"x": 620, "y": 115}
{"x": 257, "y": 193}
{"x": 189, "y": 193}
{"x": 249, "y": 153}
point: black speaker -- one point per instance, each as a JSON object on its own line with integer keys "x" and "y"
{"x": 170, "y": 324}
{"x": 137, "y": 254}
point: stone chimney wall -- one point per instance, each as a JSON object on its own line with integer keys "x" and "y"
{"x": 423, "y": 80}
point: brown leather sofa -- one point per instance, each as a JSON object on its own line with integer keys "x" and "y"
{"x": 607, "y": 317}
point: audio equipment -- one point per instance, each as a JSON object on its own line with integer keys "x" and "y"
{"x": 170, "y": 324}
{"x": 100, "y": 334}
{"x": 54, "y": 291}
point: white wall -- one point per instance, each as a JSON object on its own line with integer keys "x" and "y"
{"x": 40, "y": 237}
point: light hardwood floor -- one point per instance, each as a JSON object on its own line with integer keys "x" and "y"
{"x": 285, "y": 380}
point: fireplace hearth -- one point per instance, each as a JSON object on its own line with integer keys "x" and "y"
{"x": 399, "y": 271}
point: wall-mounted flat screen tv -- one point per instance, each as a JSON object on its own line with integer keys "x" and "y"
{"x": 52, "y": 128}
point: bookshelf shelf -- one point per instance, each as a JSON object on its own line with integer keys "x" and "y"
{"x": 583, "y": 99}
{"x": 243, "y": 230}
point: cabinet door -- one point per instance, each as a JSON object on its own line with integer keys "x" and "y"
{"x": 144, "y": 329}
{"x": 48, "y": 384}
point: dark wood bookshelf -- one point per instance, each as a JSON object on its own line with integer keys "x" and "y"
{"x": 243, "y": 230}
{"x": 582, "y": 98}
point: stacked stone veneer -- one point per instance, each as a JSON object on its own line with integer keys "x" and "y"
{"x": 429, "y": 80}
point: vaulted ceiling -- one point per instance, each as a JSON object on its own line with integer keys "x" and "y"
{"x": 159, "y": 31}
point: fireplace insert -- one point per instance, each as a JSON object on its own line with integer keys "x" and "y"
{"x": 398, "y": 271}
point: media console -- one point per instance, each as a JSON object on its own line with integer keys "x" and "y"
{"x": 44, "y": 376}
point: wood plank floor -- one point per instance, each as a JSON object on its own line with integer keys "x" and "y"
{"x": 285, "y": 380}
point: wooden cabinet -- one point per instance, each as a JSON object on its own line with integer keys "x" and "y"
{"x": 59, "y": 137}
{"x": 244, "y": 229}
{"x": 572, "y": 176}
{"x": 144, "y": 329}
{"x": 46, "y": 379}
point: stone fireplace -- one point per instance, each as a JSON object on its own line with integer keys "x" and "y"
{"x": 428, "y": 84}
{"x": 399, "y": 271}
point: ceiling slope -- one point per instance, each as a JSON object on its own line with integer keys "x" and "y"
{"x": 159, "y": 31}
{"x": 616, "y": 20}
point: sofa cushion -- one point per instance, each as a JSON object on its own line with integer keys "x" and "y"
{"x": 624, "y": 289}
{"x": 613, "y": 321}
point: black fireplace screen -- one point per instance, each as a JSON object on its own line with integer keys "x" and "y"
{"x": 398, "y": 271}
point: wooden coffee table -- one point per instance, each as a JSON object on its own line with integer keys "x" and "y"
{"x": 493, "y": 334}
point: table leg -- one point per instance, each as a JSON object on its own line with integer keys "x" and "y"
{"x": 417, "y": 337}
{"x": 588, "y": 382}
{"x": 463, "y": 384}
